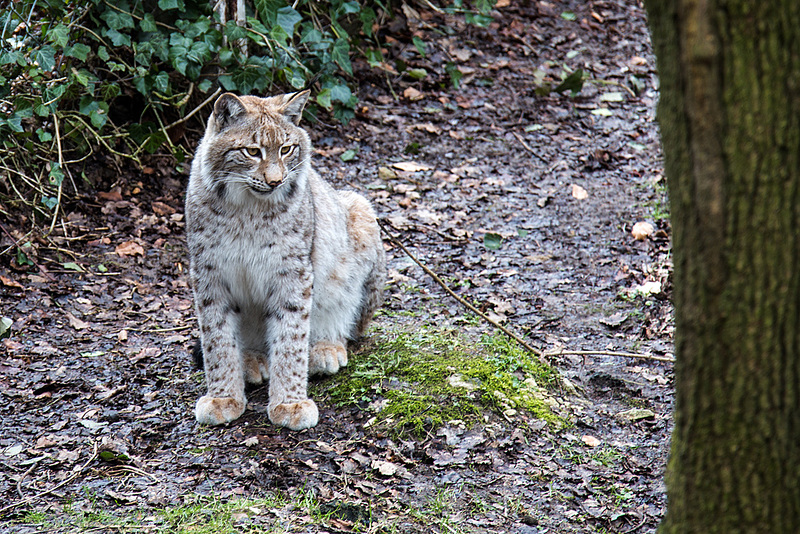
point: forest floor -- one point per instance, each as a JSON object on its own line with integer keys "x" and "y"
{"x": 521, "y": 199}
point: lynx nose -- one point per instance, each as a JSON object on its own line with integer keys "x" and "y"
{"x": 273, "y": 175}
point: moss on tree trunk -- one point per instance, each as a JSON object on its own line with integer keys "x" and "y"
{"x": 730, "y": 122}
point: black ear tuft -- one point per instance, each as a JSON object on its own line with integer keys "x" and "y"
{"x": 227, "y": 110}
{"x": 293, "y": 105}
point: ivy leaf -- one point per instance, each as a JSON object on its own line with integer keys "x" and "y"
{"x": 45, "y": 57}
{"x": 340, "y": 53}
{"x": 268, "y": 10}
{"x": 341, "y": 93}
{"x": 50, "y": 202}
{"x": 148, "y": 23}
{"x": 117, "y": 20}
{"x": 573, "y": 83}
{"x": 56, "y": 174}
{"x": 492, "y": 241}
{"x": 324, "y": 98}
{"x": 117, "y": 38}
{"x": 288, "y": 18}
{"x": 59, "y": 35}
{"x": 167, "y": 5}
{"x": 79, "y": 51}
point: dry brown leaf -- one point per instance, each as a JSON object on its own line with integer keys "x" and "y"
{"x": 641, "y": 230}
{"x": 411, "y": 166}
{"x": 579, "y": 192}
{"x": 383, "y": 467}
{"x": 412, "y": 94}
{"x": 129, "y": 248}
{"x": 8, "y": 282}
{"x": 160, "y": 208}
{"x": 76, "y": 323}
{"x": 591, "y": 441}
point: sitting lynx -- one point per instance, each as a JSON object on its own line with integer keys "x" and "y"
{"x": 285, "y": 270}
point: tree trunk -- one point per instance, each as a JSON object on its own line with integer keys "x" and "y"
{"x": 730, "y": 125}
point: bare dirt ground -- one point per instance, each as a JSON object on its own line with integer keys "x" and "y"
{"x": 522, "y": 200}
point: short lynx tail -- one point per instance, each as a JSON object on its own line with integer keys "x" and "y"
{"x": 197, "y": 355}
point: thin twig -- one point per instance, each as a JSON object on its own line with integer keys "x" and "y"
{"x": 54, "y": 488}
{"x": 536, "y": 352}
{"x": 528, "y": 148}
{"x": 195, "y": 110}
{"x": 60, "y": 183}
{"x": 24, "y": 476}
{"x": 463, "y": 302}
{"x": 609, "y": 353}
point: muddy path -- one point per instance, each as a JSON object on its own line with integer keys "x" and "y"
{"x": 522, "y": 200}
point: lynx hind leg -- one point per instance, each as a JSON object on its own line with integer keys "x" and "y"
{"x": 326, "y": 358}
{"x": 368, "y": 250}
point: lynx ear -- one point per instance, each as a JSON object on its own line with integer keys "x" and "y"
{"x": 227, "y": 110}
{"x": 293, "y": 105}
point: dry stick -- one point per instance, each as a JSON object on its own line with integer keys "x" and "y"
{"x": 195, "y": 110}
{"x": 463, "y": 302}
{"x": 61, "y": 169}
{"x": 527, "y": 147}
{"x": 54, "y": 488}
{"x": 609, "y": 353}
{"x": 538, "y": 353}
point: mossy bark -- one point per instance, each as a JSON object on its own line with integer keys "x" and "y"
{"x": 730, "y": 123}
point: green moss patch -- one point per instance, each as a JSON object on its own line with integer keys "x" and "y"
{"x": 417, "y": 381}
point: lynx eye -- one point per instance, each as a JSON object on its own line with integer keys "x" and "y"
{"x": 286, "y": 149}
{"x": 253, "y": 151}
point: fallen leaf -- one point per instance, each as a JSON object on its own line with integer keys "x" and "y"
{"x": 129, "y": 248}
{"x": 636, "y": 414}
{"x": 641, "y": 230}
{"x": 14, "y": 450}
{"x": 579, "y": 192}
{"x": 8, "y": 282}
{"x": 114, "y": 195}
{"x": 76, "y": 323}
{"x": 160, "y": 208}
{"x": 412, "y": 94}
{"x": 591, "y": 441}
{"x": 411, "y": 166}
{"x": 383, "y": 467}
{"x": 615, "y": 320}
{"x": 385, "y": 173}
{"x": 427, "y": 127}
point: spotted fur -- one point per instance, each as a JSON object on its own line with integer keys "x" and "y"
{"x": 285, "y": 269}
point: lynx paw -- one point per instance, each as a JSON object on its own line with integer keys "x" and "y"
{"x": 255, "y": 368}
{"x": 218, "y": 410}
{"x": 295, "y": 415}
{"x": 326, "y": 358}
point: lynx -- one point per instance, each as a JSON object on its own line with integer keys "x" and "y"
{"x": 285, "y": 270}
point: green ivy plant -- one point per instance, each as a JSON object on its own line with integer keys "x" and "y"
{"x": 118, "y": 76}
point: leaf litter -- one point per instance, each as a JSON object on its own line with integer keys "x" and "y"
{"x": 95, "y": 367}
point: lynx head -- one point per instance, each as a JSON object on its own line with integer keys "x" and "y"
{"x": 253, "y": 147}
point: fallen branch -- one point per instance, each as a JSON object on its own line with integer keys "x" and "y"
{"x": 463, "y": 302}
{"x": 527, "y": 147}
{"x": 540, "y": 355}
{"x": 61, "y": 484}
{"x": 609, "y": 353}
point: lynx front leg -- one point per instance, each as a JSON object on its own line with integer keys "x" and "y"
{"x": 289, "y": 404}
{"x": 222, "y": 360}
